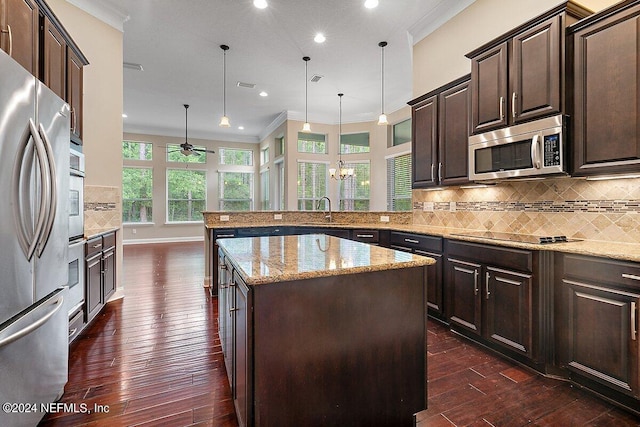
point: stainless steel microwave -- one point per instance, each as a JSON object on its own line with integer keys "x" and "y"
{"x": 525, "y": 150}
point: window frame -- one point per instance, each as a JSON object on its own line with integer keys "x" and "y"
{"x": 314, "y": 200}
{"x": 345, "y": 181}
{"x": 151, "y": 199}
{"x": 222, "y": 150}
{"x": 222, "y": 199}
{"x": 392, "y": 200}
{"x": 325, "y": 142}
{"x": 342, "y": 145}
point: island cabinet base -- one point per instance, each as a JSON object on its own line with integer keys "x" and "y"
{"x": 345, "y": 350}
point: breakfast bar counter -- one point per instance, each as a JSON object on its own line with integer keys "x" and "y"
{"x": 319, "y": 330}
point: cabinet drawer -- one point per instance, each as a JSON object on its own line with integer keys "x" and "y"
{"x": 93, "y": 246}
{"x": 109, "y": 240}
{"x": 76, "y": 324}
{"x": 224, "y": 234}
{"x": 602, "y": 270}
{"x": 367, "y": 236}
{"x": 517, "y": 259}
{"x": 416, "y": 241}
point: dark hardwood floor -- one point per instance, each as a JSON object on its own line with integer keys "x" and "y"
{"x": 154, "y": 359}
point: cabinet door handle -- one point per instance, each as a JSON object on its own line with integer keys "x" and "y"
{"x": 487, "y": 277}
{"x": 440, "y": 172}
{"x": 634, "y": 331}
{"x": 513, "y": 105}
{"x": 368, "y": 236}
{"x": 72, "y": 332}
{"x": 8, "y": 31}
{"x": 475, "y": 282}
{"x": 432, "y": 168}
{"x": 224, "y": 235}
{"x": 502, "y": 108}
{"x": 411, "y": 241}
{"x": 630, "y": 276}
{"x": 223, "y": 267}
{"x": 231, "y": 310}
{"x": 96, "y": 246}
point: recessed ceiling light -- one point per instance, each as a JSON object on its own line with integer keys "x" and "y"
{"x": 124, "y": 116}
{"x": 260, "y": 4}
{"x": 263, "y": 93}
{"x": 319, "y": 38}
{"x": 370, "y": 4}
{"x": 241, "y": 127}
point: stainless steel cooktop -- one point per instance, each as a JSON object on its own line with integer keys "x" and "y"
{"x": 514, "y": 237}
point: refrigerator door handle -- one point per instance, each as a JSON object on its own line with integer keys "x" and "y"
{"x": 51, "y": 307}
{"x": 52, "y": 201}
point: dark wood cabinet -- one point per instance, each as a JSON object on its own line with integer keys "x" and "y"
{"x": 465, "y": 299}
{"x": 429, "y": 246}
{"x": 241, "y": 347}
{"x": 606, "y": 123}
{"x": 93, "y": 290}
{"x": 19, "y": 32}
{"x": 597, "y": 318}
{"x": 54, "y": 59}
{"x": 489, "y": 89}
{"x": 100, "y": 273}
{"x": 520, "y": 76}
{"x": 492, "y": 294}
{"x": 508, "y": 296}
{"x": 440, "y": 121}
{"x": 74, "y": 91}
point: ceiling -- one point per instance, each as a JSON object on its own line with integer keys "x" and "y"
{"x": 178, "y": 45}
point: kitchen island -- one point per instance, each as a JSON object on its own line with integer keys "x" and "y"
{"x": 319, "y": 330}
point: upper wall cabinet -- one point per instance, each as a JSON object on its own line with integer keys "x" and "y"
{"x": 19, "y": 29}
{"x": 606, "y": 125}
{"x": 440, "y": 121}
{"x": 35, "y": 38}
{"x": 520, "y": 76}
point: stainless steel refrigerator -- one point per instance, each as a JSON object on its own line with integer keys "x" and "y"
{"x": 34, "y": 188}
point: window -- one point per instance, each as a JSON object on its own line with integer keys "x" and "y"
{"x": 175, "y": 155}
{"x": 186, "y": 195}
{"x": 137, "y": 191}
{"x": 281, "y": 181}
{"x": 354, "y": 192}
{"x": 399, "y": 183}
{"x": 312, "y": 143}
{"x": 264, "y": 191}
{"x": 354, "y": 143}
{"x": 402, "y": 132}
{"x": 312, "y": 184}
{"x": 279, "y": 146}
{"x": 264, "y": 156}
{"x": 137, "y": 150}
{"x": 236, "y": 157}
{"x": 235, "y": 190}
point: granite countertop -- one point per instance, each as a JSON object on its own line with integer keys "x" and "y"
{"x": 262, "y": 260}
{"x": 615, "y": 250}
{"x": 90, "y": 233}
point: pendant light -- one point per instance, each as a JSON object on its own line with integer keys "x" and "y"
{"x": 224, "y": 121}
{"x": 341, "y": 172}
{"x": 306, "y": 127}
{"x": 382, "y": 119}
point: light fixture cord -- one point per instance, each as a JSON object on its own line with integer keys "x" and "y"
{"x": 340, "y": 132}
{"x": 186, "y": 113}
{"x": 306, "y": 91}
{"x": 382, "y": 91}
{"x": 224, "y": 83}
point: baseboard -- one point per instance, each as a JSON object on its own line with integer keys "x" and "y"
{"x": 163, "y": 240}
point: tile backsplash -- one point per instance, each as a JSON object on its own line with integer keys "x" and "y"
{"x": 598, "y": 210}
{"x": 102, "y": 207}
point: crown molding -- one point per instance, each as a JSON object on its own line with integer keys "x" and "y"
{"x": 441, "y": 13}
{"x": 104, "y": 11}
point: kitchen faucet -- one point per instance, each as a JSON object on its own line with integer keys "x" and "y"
{"x": 325, "y": 212}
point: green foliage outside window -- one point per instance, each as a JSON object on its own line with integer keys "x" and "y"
{"x": 235, "y": 190}
{"x": 237, "y": 157}
{"x": 312, "y": 143}
{"x": 137, "y": 192}
{"x": 351, "y": 143}
{"x": 133, "y": 150}
{"x": 186, "y": 195}
{"x": 355, "y": 191}
{"x": 312, "y": 184}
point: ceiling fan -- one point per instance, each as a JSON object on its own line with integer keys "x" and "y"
{"x": 186, "y": 148}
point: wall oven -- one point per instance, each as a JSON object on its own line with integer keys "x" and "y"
{"x": 525, "y": 150}
{"x": 76, "y": 194}
{"x": 75, "y": 298}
